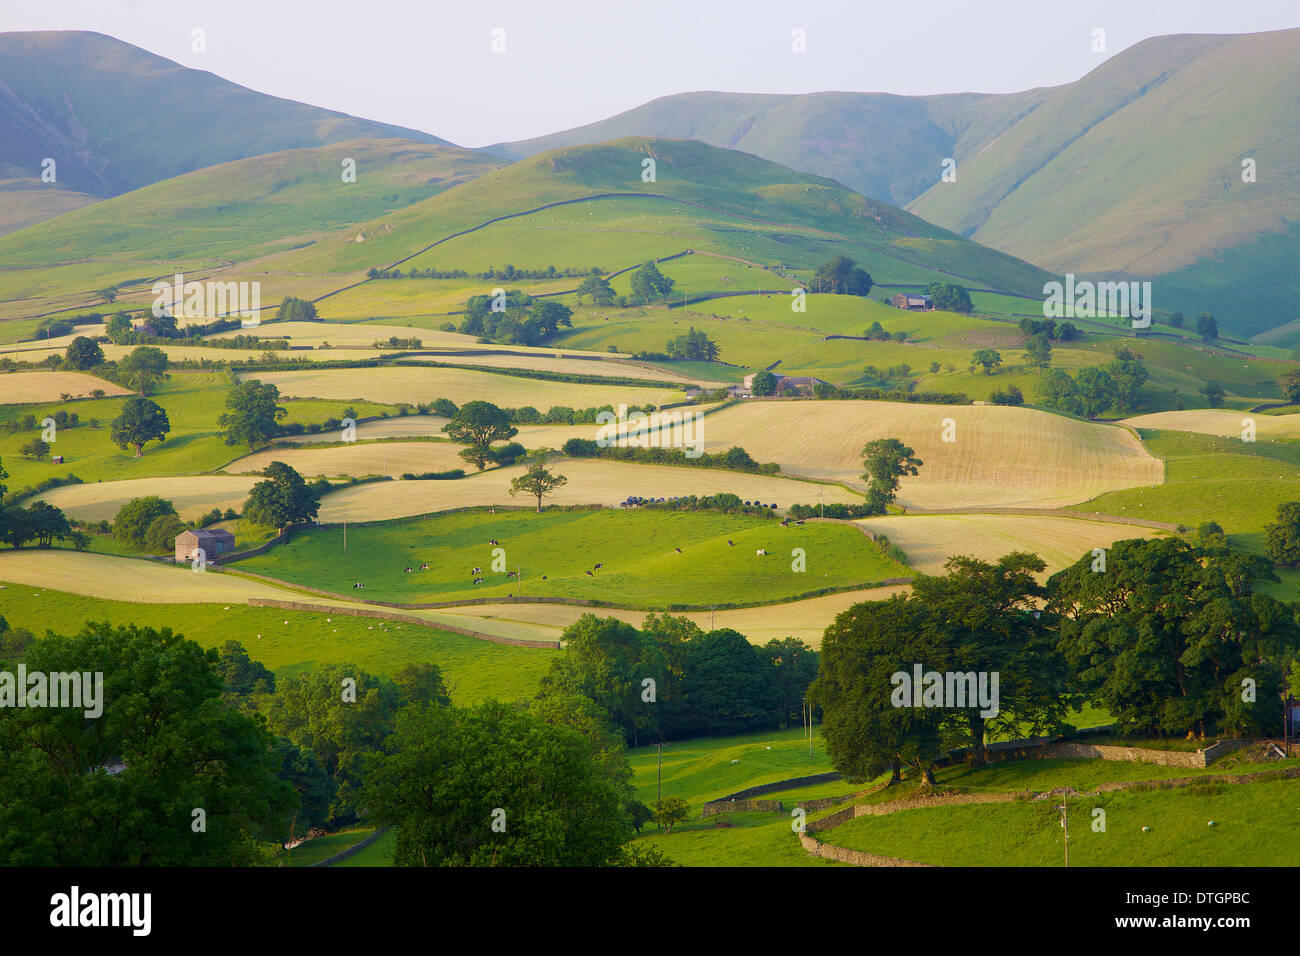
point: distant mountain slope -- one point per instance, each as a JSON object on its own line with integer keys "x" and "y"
{"x": 884, "y": 146}
{"x": 1132, "y": 171}
{"x": 115, "y": 117}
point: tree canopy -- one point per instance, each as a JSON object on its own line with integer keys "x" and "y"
{"x": 141, "y": 420}
{"x": 251, "y": 414}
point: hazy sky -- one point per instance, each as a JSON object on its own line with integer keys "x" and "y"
{"x": 430, "y": 65}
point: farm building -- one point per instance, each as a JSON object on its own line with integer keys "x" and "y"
{"x": 912, "y": 301}
{"x": 213, "y": 542}
{"x": 785, "y": 384}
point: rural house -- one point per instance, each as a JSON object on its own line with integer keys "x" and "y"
{"x": 213, "y": 542}
{"x": 912, "y": 301}
{"x": 785, "y": 385}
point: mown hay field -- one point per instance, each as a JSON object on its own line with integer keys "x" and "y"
{"x": 1224, "y": 422}
{"x": 1001, "y": 456}
{"x": 590, "y": 481}
{"x": 806, "y": 619}
{"x": 930, "y": 540}
{"x": 413, "y": 385}
{"x": 377, "y": 458}
{"x": 193, "y": 495}
{"x": 17, "y": 388}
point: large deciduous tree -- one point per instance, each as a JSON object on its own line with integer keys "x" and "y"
{"x": 841, "y": 276}
{"x": 537, "y": 481}
{"x": 251, "y": 413}
{"x": 141, "y": 420}
{"x": 479, "y": 424}
{"x": 886, "y": 460}
{"x": 282, "y": 499}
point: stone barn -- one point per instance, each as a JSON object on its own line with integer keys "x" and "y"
{"x": 213, "y": 541}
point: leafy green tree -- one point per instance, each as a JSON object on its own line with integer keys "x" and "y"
{"x": 301, "y": 770}
{"x": 479, "y": 424}
{"x": 83, "y": 353}
{"x": 242, "y": 676}
{"x": 282, "y": 500}
{"x": 1176, "y": 320}
{"x": 1057, "y": 390}
{"x": 861, "y": 651}
{"x": 669, "y": 811}
{"x": 727, "y": 684}
{"x": 494, "y": 786}
{"x": 293, "y": 309}
{"x": 949, "y": 296}
{"x": 141, "y": 420}
{"x": 1096, "y": 392}
{"x": 1283, "y": 535}
{"x": 421, "y": 682}
{"x": 1290, "y": 386}
{"x": 793, "y": 667}
{"x": 607, "y": 661}
{"x": 142, "y": 368}
{"x": 251, "y": 413}
{"x": 1207, "y": 327}
{"x": 36, "y": 448}
{"x": 340, "y": 714}
{"x": 537, "y": 481}
{"x": 649, "y": 283}
{"x": 764, "y": 383}
{"x": 986, "y": 625}
{"x": 1167, "y": 635}
{"x": 599, "y": 289}
{"x": 47, "y": 523}
{"x": 1214, "y": 394}
{"x": 171, "y": 745}
{"x": 1129, "y": 375}
{"x": 160, "y": 536}
{"x": 134, "y": 517}
{"x": 1011, "y": 395}
{"x": 886, "y": 460}
{"x": 693, "y": 347}
{"x": 1038, "y": 350}
{"x": 988, "y": 358}
{"x": 16, "y": 526}
{"x": 841, "y": 276}
{"x": 119, "y": 329}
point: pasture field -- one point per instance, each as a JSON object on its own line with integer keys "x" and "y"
{"x": 350, "y": 335}
{"x": 193, "y": 402}
{"x": 474, "y": 669}
{"x": 402, "y": 426}
{"x": 324, "y": 847}
{"x": 1002, "y": 456}
{"x": 591, "y": 481}
{"x": 1254, "y": 824}
{"x": 1237, "y": 484}
{"x": 430, "y": 300}
{"x": 641, "y": 566}
{"x": 556, "y": 363}
{"x": 379, "y": 853}
{"x": 27, "y": 387}
{"x": 930, "y": 540}
{"x": 409, "y": 384}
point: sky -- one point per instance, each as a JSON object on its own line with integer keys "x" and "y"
{"x": 563, "y": 63}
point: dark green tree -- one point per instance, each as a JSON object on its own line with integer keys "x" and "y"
{"x": 142, "y": 368}
{"x": 886, "y": 460}
{"x": 649, "y": 283}
{"x": 83, "y": 353}
{"x": 134, "y": 517}
{"x": 251, "y": 413}
{"x": 478, "y": 425}
{"x": 282, "y": 500}
{"x": 141, "y": 420}
{"x": 841, "y": 276}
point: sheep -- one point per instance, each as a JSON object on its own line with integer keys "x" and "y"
{"x": 761, "y": 551}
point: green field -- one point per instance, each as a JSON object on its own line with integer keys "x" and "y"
{"x": 474, "y": 669}
{"x": 1255, "y": 824}
{"x": 193, "y": 402}
{"x": 641, "y": 566}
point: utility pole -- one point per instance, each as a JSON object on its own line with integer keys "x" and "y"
{"x": 1065, "y": 824}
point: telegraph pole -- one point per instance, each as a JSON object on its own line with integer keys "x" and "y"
{"x": 1065, "y": 824}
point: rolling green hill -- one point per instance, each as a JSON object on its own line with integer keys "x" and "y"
{"x": 568, "y": 207}
{"x": 99, "y": 107}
